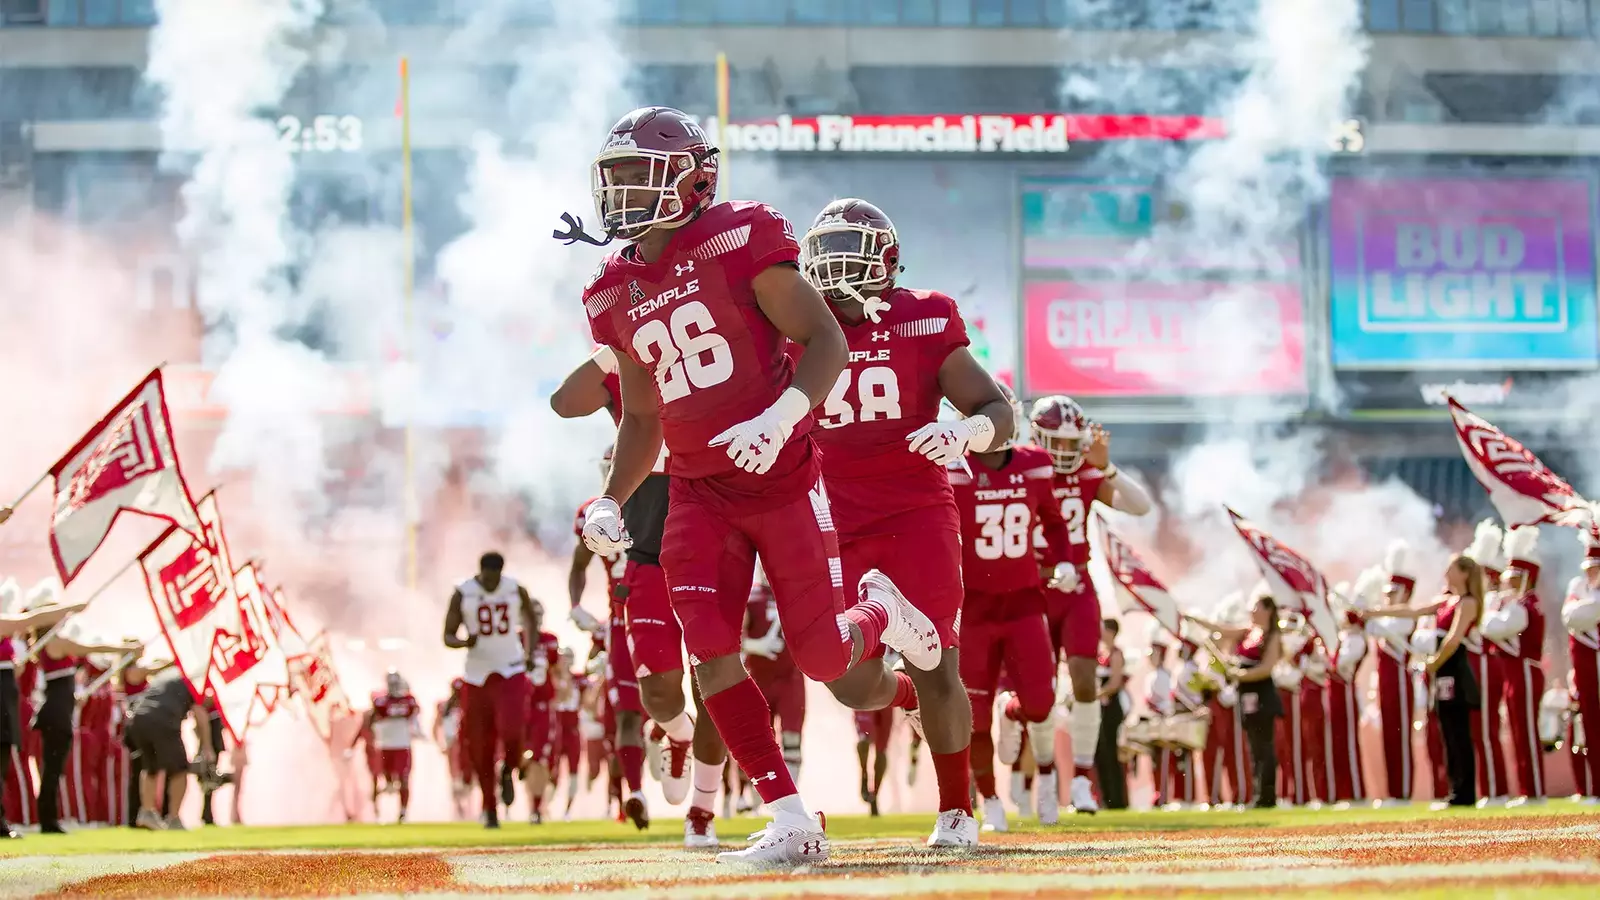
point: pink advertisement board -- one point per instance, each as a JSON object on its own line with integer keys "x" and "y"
{"x": 1196, "y": 339}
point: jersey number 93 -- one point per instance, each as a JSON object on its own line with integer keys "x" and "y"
{"x": 494, "y": 618}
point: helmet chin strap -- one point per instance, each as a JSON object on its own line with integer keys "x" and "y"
{"x": 873, "y": 306}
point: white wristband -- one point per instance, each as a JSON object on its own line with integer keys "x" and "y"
{"x": 793, "y": 406}
{"x": 605, "y": 358}
{"x": 982, "y": 432}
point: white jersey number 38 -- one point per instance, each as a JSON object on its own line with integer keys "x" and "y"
{"x": 685, "y": 351}
{"x": 1004, "y": 531}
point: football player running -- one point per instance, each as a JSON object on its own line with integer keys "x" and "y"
{"x": 494, "y": 610}
{"x": 884, "y": 454}
{"x": 696, "y": 309}
{"x": 1003, "y": 495}
{"x": 1080, "y": 453}
{"x": 393, "y": 723}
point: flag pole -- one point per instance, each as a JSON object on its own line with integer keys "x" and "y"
{"x": 38, "y": 646}
{"x": 722, "y": 126}
{"x": 29, "y": 492}
{"x": 408, "y": 234}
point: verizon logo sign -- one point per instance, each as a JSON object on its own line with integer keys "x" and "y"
{"x": 1469, "y": 393}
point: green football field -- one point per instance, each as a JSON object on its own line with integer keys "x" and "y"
{"x": 1548, "y": 851}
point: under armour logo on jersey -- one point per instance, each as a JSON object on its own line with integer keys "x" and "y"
{"x": 880, "y": 335}
{"x": 1017, "y": 478}
{"x": 684, "y": 269}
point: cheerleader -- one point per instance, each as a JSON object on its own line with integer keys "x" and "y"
{"x": 1515, "y": 630}
{"x": 1580, "y": 614}
{"x": 1391, "y": 643}
{"x": 1457, "y": 667}
{"x": 1260, "y": 649}
{"x": 59, "y": 658}
{"x": 13, "y": 623}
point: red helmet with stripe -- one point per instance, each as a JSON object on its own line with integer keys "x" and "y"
{"x": 1061, "y": 428}
{"x": 656, "y": 170}
{"x": 852, "y": 248}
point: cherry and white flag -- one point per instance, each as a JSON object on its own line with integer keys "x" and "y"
{"x": 126, "y": 462}
{"x": 1295, "y": 582}
{"x": 1522, "y": 488}
{"x": 248, "y": 670}
{"x": 1138, "y": 590}
{"x": 190, "y": 583}
{"x": 316, "y": 682}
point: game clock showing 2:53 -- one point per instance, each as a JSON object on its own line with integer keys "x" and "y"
{"x": 322, "y": 134}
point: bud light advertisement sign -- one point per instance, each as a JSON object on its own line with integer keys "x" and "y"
{"x": 1462, "y": 273}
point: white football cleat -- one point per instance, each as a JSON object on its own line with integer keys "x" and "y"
{"x": 788, "y": 842}
{"x": 1046, "y": 792}
{"x": 954, "y": 830}
{"x": 1019, "y": 792}
{"x": 675, "y": 774}
{"x": 910, "y": 631}
{"x": 1009, "y": 745}
{"x": 994, "y": 815}
{"x": 654, "y": 756}
{"x": 1083, "y": 799}
{"x": 699, "y": 832}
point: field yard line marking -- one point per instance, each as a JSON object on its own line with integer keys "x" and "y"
{"x": 27, "y": 876}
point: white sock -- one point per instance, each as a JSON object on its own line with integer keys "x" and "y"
{"x": 707, "y": 782}
{"x": 1083, "y": 726}
{"x": 1042, "y": 737}
{"x": 789, "y": 809}
{"x": 680, "y": 729}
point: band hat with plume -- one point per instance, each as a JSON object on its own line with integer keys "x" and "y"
{"x": 1486, "y": 547}
{"x": 1397, "y": 563}
{"x": 1590, "y": 539}
{"x": 43, "y": 594}
{"x": 1159, "y": 636}
{"x": 1341, "y": 604}
{"x": 1522, "y": 550}
{"x": 10, "y": 596}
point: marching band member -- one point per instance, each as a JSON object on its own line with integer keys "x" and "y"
{"x": 1158, "y": 700}
{"x": 1424, "y": 643}
{"x": 1493, "y": 786}
{"x": 1580, "y": 613}
{"x": 1286, "y": 731}
{"x": 1456, "y": 694}
{"x": 1316, "y": 748}
{"x": 1225, "y": 752}
{"x": 1515, "y": 630}
{"x": 1188, "y": 695}
{"x": 1391, "y": 639}
{"x": 1110, "y": 670}
{"x": 1343, "y": 703}
{"x": 14, "y": 621}
{"x": 1260, "y": 649}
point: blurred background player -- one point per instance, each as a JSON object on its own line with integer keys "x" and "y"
{"x": 1002, "y": 495}
{"x": 447, "y": 737}
{"x": 874, "y": 728}
{"x": 1580, "y": 615}
{"x": 743, "y": 486}
{"x": 1080, "y": 452}
{"x": 1515, "y": 629}
{"x": 772, "y": 666}
{"x": 534, "y": 765}
{"x": 493, "y": 610}
{"x": 566, "y": 742}
{"x": 393, "y": 723}
{"x": 891, "y": 500}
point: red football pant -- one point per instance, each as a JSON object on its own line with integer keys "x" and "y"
{"x": 1023, "y": 646}
{"x": 622, "y": 684}
{"x": 920, "y": 551}
{"x": 1074, "y": 620}
{"x": 875, "y": 725}
{"x": 709, "y": 551}
{"x": 495, "y": 716}
{"x": 539, "y": 737}
{"x": 654, "y": 639}
{"x": 1586, "y": 676}
{"x": 1315, "y": 747}
{"x": 1224, "y": 757}
{"x": 1395, "y": 709}
{"x": 1521, "y": 683}
{"x": 1344, "y": 744}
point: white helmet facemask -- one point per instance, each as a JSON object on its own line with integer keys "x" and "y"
{"x": 843, "y": 258}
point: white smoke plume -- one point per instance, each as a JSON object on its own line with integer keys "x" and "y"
{"x": 1243, "y": 200}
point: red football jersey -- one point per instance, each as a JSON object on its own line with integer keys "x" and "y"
{"x": 1000, "y": 508}
{"x": 691, "y": 318}
{"x": 1074, "y": 495}
{"x": 616, "y": 566}
{"x": 889, "y": 389}
{"x": 550, "y": 645}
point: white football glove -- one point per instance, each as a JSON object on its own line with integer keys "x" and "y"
{"x": 1064, "y": 578}
{"x": 585, "y": 620}
{"x": 945, "y": 442}
{"x": 603, "y": 531}
{"x": 754, "y": 445}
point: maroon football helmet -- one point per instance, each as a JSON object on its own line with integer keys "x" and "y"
{"x": 656, "y": 170}
{"x": 852, "y": 247}
{"x": 1061, "y": 427}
